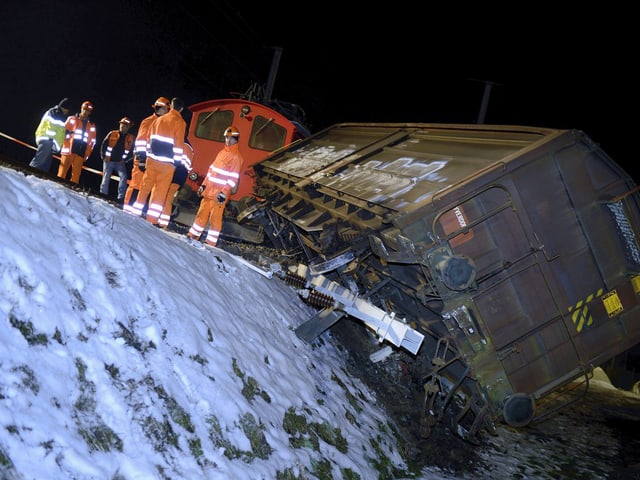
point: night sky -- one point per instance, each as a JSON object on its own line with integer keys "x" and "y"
{"x": 392, "y": 63}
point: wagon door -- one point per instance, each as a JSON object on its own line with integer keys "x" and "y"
{"x": 556, "y": 276}
{"x": 524, "y": 344}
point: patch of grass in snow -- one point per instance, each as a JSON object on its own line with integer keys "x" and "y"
{"x": 97, "y": 435}
{"x": 101, "y": 437}
{"x": 252, "y": 429}
{"x": 159, "y": 433}
{"x": 28, "y": 378}
{"x": 353, "y": 401}
{"x": 304, "y": 434}
{"x": 178, "y": 414}
{"x": 381, "y": 462}
{"x": 27, "y": 331}
{"x": 5, "y": 461}
{"x": 348, "y": 474}
{"x": 250, "y": 387}
{"x": 321, "y": 469}
{"x": 57, "y": 336}
{"x": 288, "y": 474}
{"x": 86, "y": 401}
{"x": 131, "y": 339}
{"x": 199, "y": 359}
{"x": 114, "y": 372}
{"x": 162, "y": 433}
{"x": 112, "y": 278}
{"x": 195, "y": 447}
{"x": 79, "y": 303}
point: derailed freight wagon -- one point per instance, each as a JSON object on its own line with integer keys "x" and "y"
{"x": 513, "y": 250}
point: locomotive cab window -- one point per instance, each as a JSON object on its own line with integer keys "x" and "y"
{"x": 266, "y": 134}
{"x": 211, "y": 125}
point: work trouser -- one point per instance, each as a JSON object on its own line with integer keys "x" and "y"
{"x": 180, "y": 175}
{"x": 155, "y": 183}
{"x": 210, "y": 211}
{"x": 107, "y": 170}
{"x": 168, "y": 205}
{"x": 134, "y": 183}
{"x": 44, "y": 154}
{"x": 73, "y": 162}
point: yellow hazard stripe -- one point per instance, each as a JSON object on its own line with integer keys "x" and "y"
{"x": 580, "y": 311}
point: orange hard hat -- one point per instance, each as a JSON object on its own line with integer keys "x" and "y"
{"x": 88, "y": 105}
{"x": 231, "y": 132}
{"x": 162, "y": 102}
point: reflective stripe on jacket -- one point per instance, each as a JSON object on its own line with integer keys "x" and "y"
{"x": 110, "y": 141}
{"x": 142, "y": 140}
{"x": 166, "y": 137}
{"x": 80, "y": 138}
{"x": 52, "y": 127}
{"x": 224, "y": 173}
{"x": 187, "y": 156}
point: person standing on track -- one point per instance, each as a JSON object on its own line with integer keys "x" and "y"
{"x": 166, "y": 147}
{"x": 116, "y": 150}
{"x": 50, "y": 135}
{"x": 78, "y": 143}
{"x": 160, "y": 107}
{"x": 222, "y": 178}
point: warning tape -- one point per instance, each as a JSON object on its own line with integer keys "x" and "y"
{"x": 84, "y": 167}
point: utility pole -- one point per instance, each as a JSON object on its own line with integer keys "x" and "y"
{"x": 484, "y": 105}
{"x": 275, "y": 64}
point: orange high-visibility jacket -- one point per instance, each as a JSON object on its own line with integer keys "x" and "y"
{"x": 224, "y": 173}
{"x": 80, "y": 137}
{"x": 110, "y": 141}
{"x": 142, "y": 139}
{"x": 167, "y": 134}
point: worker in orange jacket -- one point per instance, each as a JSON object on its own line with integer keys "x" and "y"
{"x": 79, "y": 140}
{"x": 166, "y": 146}
{"x": 160, "y": 107}
{"x": 180, "y": 174}
{"x": 222, "y": 179}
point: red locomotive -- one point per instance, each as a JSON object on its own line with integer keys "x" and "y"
{"x": 263, "y": 131}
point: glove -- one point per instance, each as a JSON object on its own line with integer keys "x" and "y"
{"x": 221, "y": 197}
{"x": 142, "y": 166}
{"x": 200, "y": 190}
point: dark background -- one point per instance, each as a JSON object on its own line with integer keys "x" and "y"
{"x": 569, "y": 68}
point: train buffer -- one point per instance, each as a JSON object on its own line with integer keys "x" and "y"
{"x": 383, "y": 324}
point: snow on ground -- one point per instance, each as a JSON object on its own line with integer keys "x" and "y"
{"x": 129, "y": 354}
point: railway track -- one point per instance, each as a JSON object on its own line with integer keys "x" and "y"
{"x": 257, "y": 254}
